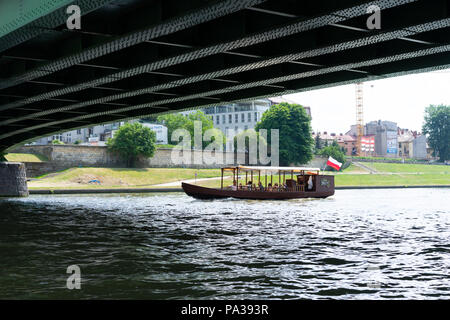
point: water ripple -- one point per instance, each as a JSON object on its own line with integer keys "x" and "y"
{"x": 365, "y": 244}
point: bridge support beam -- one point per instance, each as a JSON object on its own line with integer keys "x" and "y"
{"x": 13, "y": 180}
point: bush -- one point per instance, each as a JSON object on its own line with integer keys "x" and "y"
{"x": 334, "y": 152}
{"x": 56, "y": 141}
{"x": 133, "y": 140}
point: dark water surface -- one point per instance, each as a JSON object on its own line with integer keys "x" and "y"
{"x": 364, "y": 244}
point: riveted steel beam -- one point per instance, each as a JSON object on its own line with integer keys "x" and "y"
{"x": 225, "y": 94}
{"x": 292, "y": 28}
{"x": 366, "y": 41}
{"x": 210, "y": 12}
{"x": 23, "y": 20}
{"x": 10, "y": 144}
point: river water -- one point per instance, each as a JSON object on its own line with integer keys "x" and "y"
{"x": 358, "y": 244}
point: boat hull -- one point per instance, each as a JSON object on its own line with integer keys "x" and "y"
{"x": 324, "y": 188}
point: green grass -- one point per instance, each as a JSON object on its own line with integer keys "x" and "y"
{"x": 121, "y": 177}
{"x": 411, "y": 168}
{"x": 353, "y": 168}
{"x": 391, "y": 174}
{"x": 391, "y": 179}
{"x": 25, "y": 157}
{"x": 165, "y": 146}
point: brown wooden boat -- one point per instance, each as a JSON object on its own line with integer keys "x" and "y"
{"x": 302, "y": 183}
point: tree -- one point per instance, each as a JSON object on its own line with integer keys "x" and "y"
{"x": 215, "y": 134}
{"x": 132, "y": 140}
{"x": 173, "y": 121}
{"x": 56, "y": 141}
{"x": 437, "y": 127}
{"x": 247, "y": 136}
{"x": 179, "y": 121}
{"x": 333, "y": 151}
{"x": 318, "y": 142}
{"x": 206, "y": 121}
{"x": 295, "y": 138}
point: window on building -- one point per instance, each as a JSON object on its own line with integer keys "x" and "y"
{"x": 79, "y": 131}
{"x": 223, "y": 119}
{"x": 230, "y": 118}
{"x": 236, "y": 117}
{"x": 217, "y": 120}
{"x": 242, "y": 117}
{"x": 256, "y": 116}
{"x": 249, "y": 117}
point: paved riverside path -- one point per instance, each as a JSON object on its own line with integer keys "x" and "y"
{"x": 178, "y": 183}
{"x": 362, "y": 166}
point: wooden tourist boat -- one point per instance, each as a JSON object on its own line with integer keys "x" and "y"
{"x": 291, "y": 183}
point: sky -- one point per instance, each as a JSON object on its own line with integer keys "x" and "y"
{"x": 400, "y": 99}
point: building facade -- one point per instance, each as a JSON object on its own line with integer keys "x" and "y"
{"x": 385, "y": 133}
{"x": 160, "y": 131}
{"x": 98, "y": 135}
{"x": 411, "y": 144}
{"x": 237, "y": 117}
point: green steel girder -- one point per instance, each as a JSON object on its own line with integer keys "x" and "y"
{"x": 201, "y": 53}
{"x": 21, "y": 20}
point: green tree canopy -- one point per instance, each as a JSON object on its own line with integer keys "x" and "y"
{"x": 173, "y": 121}
{"x": 295, "y": 139}
{"x": 246, "y": 134}
{"x": 176, "y": 121}
{"x": 215, "y": 133}
{"x": 335, "y": 152}
{"x": 437, "y": 127}
{"x": 132, "y": 140}
{"x": 318, "y": 143}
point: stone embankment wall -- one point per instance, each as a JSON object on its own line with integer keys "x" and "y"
{"x": 62, "y": 157}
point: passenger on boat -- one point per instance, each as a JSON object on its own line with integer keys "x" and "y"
{"x": 269, "y": 187}
{"x": 240, "y": 186}
{"x": 275, "y": 187}
{"x": 249, "y": 185}
{"x": 261, "y": 188}
{"x": 234, "y": 186}
{"x": 310, "y": 183}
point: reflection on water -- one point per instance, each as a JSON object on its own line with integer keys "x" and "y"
{"x": 365, "y": 244}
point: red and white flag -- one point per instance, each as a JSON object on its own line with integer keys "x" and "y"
{"x": 334, "y": 163}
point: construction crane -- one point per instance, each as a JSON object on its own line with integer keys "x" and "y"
{"x": 359, "y": 117}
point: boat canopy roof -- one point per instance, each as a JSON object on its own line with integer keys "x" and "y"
{"x": 272, "y": 169}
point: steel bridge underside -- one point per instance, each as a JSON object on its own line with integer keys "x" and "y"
{"x": 134, "y": 58}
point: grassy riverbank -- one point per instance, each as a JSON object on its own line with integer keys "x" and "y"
{"x": 386, "y": 174}
{"x": 79, "y": 178}
{"x": 25, "y": 157}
